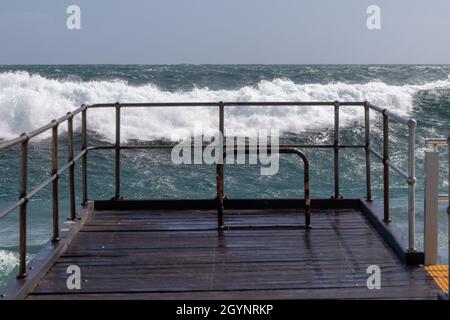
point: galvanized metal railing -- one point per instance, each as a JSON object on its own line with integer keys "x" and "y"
{"x": 23, "y": 140}
{"x": 442, "y": 197}
{"x": 56, "y": 172}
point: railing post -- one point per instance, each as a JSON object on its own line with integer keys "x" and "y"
{"x": 448, "y": 218}
{"x": 219, "y": 171}
{"x": 367, "y": 150}
{"x": 55, "y": 183}
{"x": 431, "y": 207}
{"x": 117, "y": 149}
{"x": 71, "y": 168}
{"x": 23, "y": 210}
{"x": 85, "y": 155}
{"x": 386, "y": 167}
{"x": 412, "y": 185}
{"x": 336, "y": 150}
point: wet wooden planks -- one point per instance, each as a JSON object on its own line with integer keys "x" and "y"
{"x": 180, "y": 255}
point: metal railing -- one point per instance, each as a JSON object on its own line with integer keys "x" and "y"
{"x": 23, "y": 140}
{"x": 442, "y": 143}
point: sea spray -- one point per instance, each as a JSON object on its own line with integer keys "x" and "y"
{"x": 28, "y": 101}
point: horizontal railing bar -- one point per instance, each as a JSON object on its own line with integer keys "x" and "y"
{"x": 304, "y": 146}
{"x": 49, "y": 126}
{"x": 443, "y": 197}
{"x": 13, "y": 142}
{"x": 375, "y": 108}
{"x": 34, "y": 133}
{"x": 390, "y": 114}
{"x": 397, "y": 118}
{"x": 215, "y": 104}
{"x": 42, "y": 186}
{"x": 436, "y": 142}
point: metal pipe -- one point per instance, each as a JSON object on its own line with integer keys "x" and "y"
{"x": 55, "y": 195}
{"x": 34, "y": 133}
{"x": 11, "y": 208}
{"x": 117, "y": 148}
{"x": 306, "y": 183}
{"x": 368, "y": 153}
{"x": 412, "y": 185}
{"x": 84, "y": 160}
{"x": 386, "y": 167}
{"x": 431, "y": 207}
{"x": 436, "y": 142}
{"x": 448, "y": 219}
{"x": 72, "y": 167}
{"x": 41, "y": 186}
{"x": 306, "y": 177}
{"x": 336, "y": 150}
{"x": 376, "y": 153}
{"x": 220, "y": 170}
{"x": 402, "y": 173}
{"x": 390, "y": 114}
{"x": 397, "y": 118}
{"x": 226, "y": 104}
{"x": 170, "y": 146}
{"x": 23, "y": 210}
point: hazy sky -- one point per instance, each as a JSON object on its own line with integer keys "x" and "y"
{"x": 225, "y": 31}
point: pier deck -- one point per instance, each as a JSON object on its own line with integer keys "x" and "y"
{"x": 206, "y": 249}
{"x": 179, "y": 254}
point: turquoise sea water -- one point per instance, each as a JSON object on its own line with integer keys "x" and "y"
{"x": 30, "y": 96}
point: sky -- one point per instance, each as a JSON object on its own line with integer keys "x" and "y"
{"x": 225, "y": 32}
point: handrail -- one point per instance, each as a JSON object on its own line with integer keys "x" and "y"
{"x": 281, "y": 150}
{"x": 25, "y": 196}
{"x": 24, "y": 139}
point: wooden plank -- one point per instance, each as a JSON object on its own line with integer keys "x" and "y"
{"x": 174, "y": 254}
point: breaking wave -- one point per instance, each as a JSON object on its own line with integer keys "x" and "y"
{"x": 28, "y": 101}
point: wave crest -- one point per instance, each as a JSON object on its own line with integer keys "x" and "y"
{"x": 28, "y": 101}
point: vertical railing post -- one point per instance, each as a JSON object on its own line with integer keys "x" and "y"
{"x": 85, "y": 155}
{"x": 23, "y": 210}
{"x": 55, "y": 183}
{"x": 386, "y": 167}
{"x": 431, "y": 207}
{"x": 336, "y": 147}
{"x": 71, "y": 167}
{"x": 220, "y": 169}
{"x": 117, "y": 150}
{"x": 412, "y": 185}
{"x": 368, "y": 153}
{"x": 448, "y": 219}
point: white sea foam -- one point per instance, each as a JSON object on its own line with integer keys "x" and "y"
{"x": 8, "y": 261}
{"x": 28, "y": 101}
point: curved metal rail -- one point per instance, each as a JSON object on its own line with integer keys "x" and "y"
{"x": 250, "y": 150}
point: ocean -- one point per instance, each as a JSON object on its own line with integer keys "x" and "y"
{"x": 31, "y": 96}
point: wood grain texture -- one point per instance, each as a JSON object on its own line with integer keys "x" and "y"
{"x": 179, "y": 255}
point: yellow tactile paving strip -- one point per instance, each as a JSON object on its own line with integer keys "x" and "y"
{"x": 440, "y": 275}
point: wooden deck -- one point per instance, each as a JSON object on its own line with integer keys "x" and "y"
{"x": 179, "y": 255}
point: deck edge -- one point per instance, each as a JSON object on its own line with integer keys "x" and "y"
{"x": 391, "y": 233}
{"x": 17, "y": 289}
{"x": 230, "y": 204}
